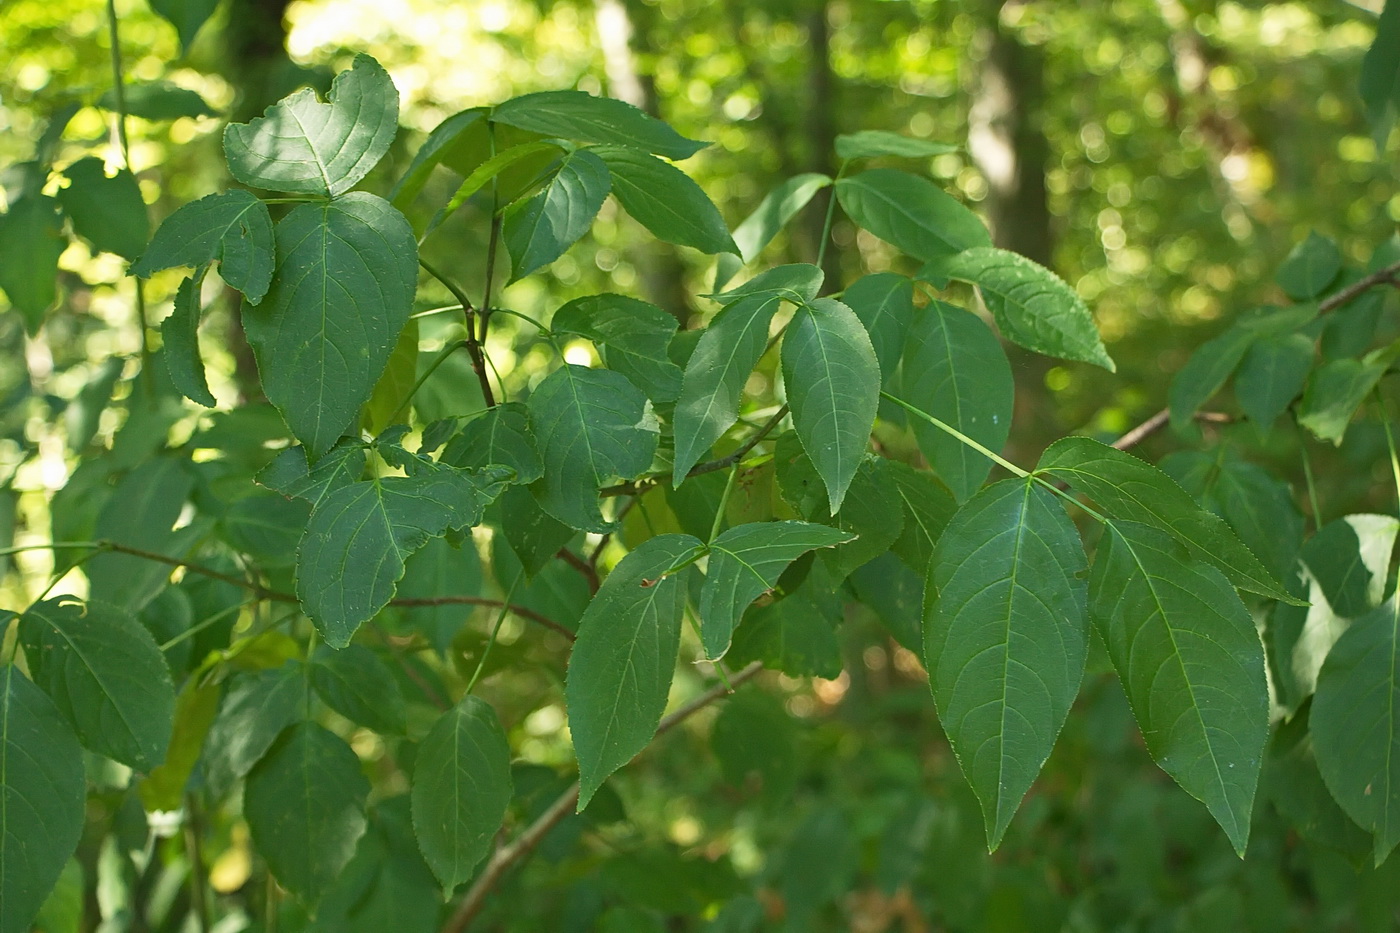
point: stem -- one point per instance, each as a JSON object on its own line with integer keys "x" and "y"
{"x": 830, "y": 216}
{"x": 1311, "y": 482}
{"x": 124, "y": 143}
{"x": 723, "y": 503}
{"x": 504, "y": 858}
{"x": 1389, "y": 443}
{"x": 204, "y": 624}
{"x": 496, "y": 630}
{"x": 492, "y": 242}
{"x": 954, "y": 432}
{"x": 590, "y": 572}
{"x": 709, "y": 466}
{"x": 442, "y": 356}
{"x": 470, "y": 315}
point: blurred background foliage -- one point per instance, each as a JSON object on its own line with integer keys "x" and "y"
{"x": 1163, "y": 156}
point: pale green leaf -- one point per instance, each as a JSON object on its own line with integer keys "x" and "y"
{"x": 303, "y": 146}
{"x": 388, "y": 401}
{"x": 554, "y": 218}
{"x": 158, "y": 101}
{"x": 1350, "y": 557}
{"x": 581, "y": 116}
{"x": 1337, "y": 389}
{"x": 1191, "y": 662}
{"x": 772, "y": 214}
{"x": 665, "y": 200}
{"x": 256, "y": 707}
{"x": 108, "y": 212}
{"x": 871, "y": 143}
{"x": 186, "y": 16}
{"x": 884, "y": 302}
{"x": 910, "y": 212}
{"x": 233, "y": 228}
{"x": 358, "y": 685}
{"x": 1006, "y": 635}
{"x": 195, "y": 708}
{"x": 632, "y": 337}
{"x": 465, "y": 129}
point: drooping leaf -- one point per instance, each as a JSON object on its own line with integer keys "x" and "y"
{"x": 105, "y": 674}
{"x": 665, "y": 200}
{"x": 256, "y": 707}
{"x": 158, "y": 101}
{"x": 303, "y": 146}
{"x": 1271, "y": 376}
{"x": 352, "y": 554}
{"x": 107, "y": 212}
{"x": 41, "y": 798}
{"x": 632, "y": 337}
{"x": 884, "y": 302}
{"x": 554, "y": 218}
{"x": 833, "y": 386}
{"x": 1337, "y": 389}
{"x": 621, "y": 666}
{"x": 186, "y": 16}
{"x": 1033, "y": 306}
{"x": 534, "y": 156}
{"x": 772, "y": 214}
{"x": 465, "y": 129}
{"x": 955, "y": 369}
{"x": 797, "y": 282}
{"x": 868, "y": 144}
{"x": 593, "y": 427}
{"x": 501, "y": 436}
{"x": 910, "y": 212}
{"x": 1191, "y": 663}
{"x": 233, "y": 228}
{"x": 928, "y": 507}
{"x": 1356, "y": 724}
{"x": 195, "y": 708}
{"x": 1310, "y": 267}
{"x": 745, "y": 562}
{"x": 180, "y": 339}
{"x": 31, "y": 240}
{"x": 1006, "y": 635}
{"x": 289, "y": 474}
{"x": 1205, "y": 372}
{"x": 439, "y": 569}
{"x": 346, "y": 273}
{"x": 1380, "y": 73}
{"x": 305, "y": 806}
{"x": 581, "y": 116}
{"x": 358, "y": 685}
{"x": 1133, "y": 490}
{"x": 461, "y": 788}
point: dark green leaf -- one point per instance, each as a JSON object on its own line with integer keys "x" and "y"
{"x": 31, "y": 240}
{"x": 1205, "y": 372}
{"x": 581, "y": 116}
{"x": 533, "y": 158}
{"x": 1261, "y": 511}
{"x": 1350, "y": 559}
{"x": 1351, "y": 328}
{"x": 819, "y": 865}
{"x": 1310, "y": 267}
{"x": 795, "y": 634}
{"x": 461, "y": 788}
{"x": 1134, "y": 490}
{"x": 1191, "y": 662}
{"x": 359, "y": 686}
{"x": 180, "y": 339}
{"x": 1337, "y": 389}
{"x": 186, "y": 16}
{"x": 142, "y": 512}
{"x": 1032, "y": 306}
{"x": 159, "y": 101}
{"x": 346, "y": 273}
{"x": 501, "y": 436}
{"x": 233, "y": 228}
{"x": 632, "y": 337}
{"x": 884, "y": 302}
{"x": 534, "y": 535}
{"x": 41, "y": 789}
{"x": 303, "y": 146}
{"x": 1296, "y": 788}
{"x": 305, "y": 806}
{"x": 663, "y": 199}
{"x": 105, "y": 674}
{"x": 1006, "y": 635}
{"x": 1271, "y": 376}
{"x": 754, "y": 733}
{"x": 107, "y": 212}
{"x": 553, "y": 219}
{"x": 833, "y": 385}
{"x": 289, "y": 474}
{"x": 256, "y": 708}
{"x": 745, "y": 562}
{"x": 772, "y": 214}
{"x": 1356, "y": 724}
{"x": 911, "y": 212}
{"x": 593, "y": 427}
{"x": 440, "y": 569}
{"x": 872, "y": 143}
{"x": 463, "y": 130}
{"x": 386, "y": 885}
{"x": 621, "y": 666}
{"x": 955, "y": 369}
{"x": 928, "y": 507}
{"x": 1380, "y": 74}
{"x": 896, "y": 594}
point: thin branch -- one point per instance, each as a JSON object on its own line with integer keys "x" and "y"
{"x": 709, "y": 466}
{"x": 589, "y": 571}
{"x": 505, "y": 857}
{"x": 473, "y": 344}
{"x": 1158, "y": 421}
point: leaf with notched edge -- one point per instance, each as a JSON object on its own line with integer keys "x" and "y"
{"x": 233, "y": 228}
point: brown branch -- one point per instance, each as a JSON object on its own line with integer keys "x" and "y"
{"x": 1154, "y": 424}
{"x": 589, "y": 571}
{"x": 709, "y": 466}
{"x": 472, "y": 342}
{"x": 505, "y": 857}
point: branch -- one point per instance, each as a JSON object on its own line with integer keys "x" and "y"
{"x": 473, "y": 344}
{"x": 504, "y": 858}
{"x": 589, "y": 571}
{"x": 709, "y": 466}
{"x": 1158, "y": 421}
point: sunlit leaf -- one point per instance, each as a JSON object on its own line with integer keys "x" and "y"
{"x": 910, "y": 212}
{"x": 233, "y": 228}
{"x": 1337, "y": 389}
{"x": 581, "y": 116}
{"x": 665, "y": 200}
{"x": 871, "y": 143}
{"x": 31, "y": 240}
{"x": 772, "y": 214}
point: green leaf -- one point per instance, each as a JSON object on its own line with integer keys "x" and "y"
{"x": 533, "y": 534}
{"x": 502, "y": 437}
{"x": 1310, "y": 267}
{"x": 302, "y": 146}
{"x": 439, "y": 569}
{"x": 928, "y": 507}
{"x": 869, "y": 144}
{"x": 1191, "y": 663}
{"x": 1271, "y": 376}
{"x": 593, "y": 427}
{"x": 256, "y": 707}
{"x": 465, "y": 130}
{"x": 158, "y": 101}
{"x": 1006, "y": 635}
{"x": 530, "y": 156}
{"x": 289, "y": 474}
{"x": 910, "y": 212}
{"x": 386, "y": 885}
{"x": 796, "y": 634}
{"x": 1297, "y": 790}
{"x": 107, "y": 212}
{"x": 186, "y": 16}
{"x": 666, "y": 201}
{"x": 553, "y": 219}
{"x": 884, "y": 302}
{"x": 105, "y": 674}
{"x": 233, "y": 228}
{"x": 179, "y": 335}
{"x": 195, "y": 708}
{"x": 833, "y": 386}
{"x": 359, "y": 686}
{"x": 461, "y": 788}
{"x": 754, "y": 733}
{"x": 896, "y": 595}
{"x": 1356, "y": 724}
{"x": 956, "y": 370}
{"x": 632, "y": 337}
{"x": 41, "y": 798}
{"x": 1380, "y": 74}
{"x": 359, "y": 536}
{"x": 797, "y": 282}
{"x": 1350, "y": 329}
{"x": 1205, "y": 372}
{"x": 621, "y": 666}
{"x": 1337, "y": 389}
{"x": 31, "y": 240}
{"x": 1033, "y": 306}
{"x": 305, "y": 807}
{"x": 1261, "y": 510}
{"x": 1349, "y": 558}
{"x": 745, "y": 562}
{"x": 1133, "y": 490}
{"x": 63, "y": 909}
{"x": 772, "y": 214}
{"x": 389, "y": 400}
{"x": 581, "y": 116}
{"x": 141, "y": 513}
{"x": 346, "y": 273}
